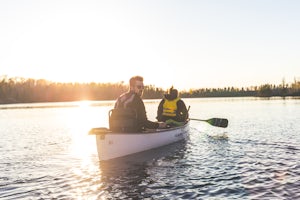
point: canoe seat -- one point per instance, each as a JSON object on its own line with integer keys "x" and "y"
{"x": 123, "y": 120}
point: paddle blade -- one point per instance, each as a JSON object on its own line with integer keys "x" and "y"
{"x": 219, "y": 122}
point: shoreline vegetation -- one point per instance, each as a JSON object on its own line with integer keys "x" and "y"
{"x": 27, "y": 90}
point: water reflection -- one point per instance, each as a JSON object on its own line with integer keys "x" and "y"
{"x": 79, "y": 121}
{"x": 128, "y": 177}
{"x": 48, "y": 154}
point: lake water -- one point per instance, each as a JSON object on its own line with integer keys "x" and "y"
{"x": 46, "y": 153}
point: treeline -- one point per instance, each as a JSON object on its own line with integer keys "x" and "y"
{"x": 21, "y": 90}
{"x": 266, "y": 90}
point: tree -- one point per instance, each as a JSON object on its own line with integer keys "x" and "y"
{"x": 265, "y": 90}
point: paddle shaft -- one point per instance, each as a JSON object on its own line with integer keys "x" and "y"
{"x": 219, "y": 122}
{"x": 202, "y": 120}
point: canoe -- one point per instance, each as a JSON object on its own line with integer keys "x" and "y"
{"x": 111, "y": 145}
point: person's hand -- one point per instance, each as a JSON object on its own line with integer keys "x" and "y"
{"x": 162, "y": 125}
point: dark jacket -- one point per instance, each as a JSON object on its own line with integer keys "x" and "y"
{"x": 134, "y": 101}
{"x": 181, "y": 112}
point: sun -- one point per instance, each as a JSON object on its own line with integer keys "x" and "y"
{"x": 84, "y": 104}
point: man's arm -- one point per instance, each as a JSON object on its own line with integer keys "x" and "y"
{"x": 160, "y": 110}
{"x": 143, "y": 121}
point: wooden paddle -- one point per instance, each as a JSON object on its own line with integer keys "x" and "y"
{"x": 219, "y": 122}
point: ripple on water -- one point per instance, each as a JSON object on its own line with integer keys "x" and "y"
{"x": 254, "y": 158}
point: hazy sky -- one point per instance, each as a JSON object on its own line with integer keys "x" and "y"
{"x": 188, "y": 44}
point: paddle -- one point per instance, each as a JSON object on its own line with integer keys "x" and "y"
{"x": 219, "y": 122}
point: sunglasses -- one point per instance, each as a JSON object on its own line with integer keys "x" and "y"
{"x": 140, "y": 87}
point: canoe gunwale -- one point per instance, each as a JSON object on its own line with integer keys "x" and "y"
{"x": 104, "y": 130}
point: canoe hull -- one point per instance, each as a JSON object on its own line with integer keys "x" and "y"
{"x": 114, "y": 145}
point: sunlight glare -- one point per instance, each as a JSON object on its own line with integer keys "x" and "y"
{"x": 79, "y": 124}
{"x": 84, "y": 104}
{"x": 80, "y": 121}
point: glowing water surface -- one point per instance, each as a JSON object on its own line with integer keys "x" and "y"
{"x": 46, "y": 153}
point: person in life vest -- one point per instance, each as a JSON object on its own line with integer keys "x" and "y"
{"x": 172, "y": 107}
{"x": 132, "y": 99}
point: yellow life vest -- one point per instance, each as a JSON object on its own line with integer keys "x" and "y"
{"x": 170, "y": 107}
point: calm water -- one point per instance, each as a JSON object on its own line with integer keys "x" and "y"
{"x": 46, "y": 153}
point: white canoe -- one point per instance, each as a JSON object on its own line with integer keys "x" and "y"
{"x": 112, "y": 145}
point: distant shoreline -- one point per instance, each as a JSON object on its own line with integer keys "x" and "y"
{"x": 72, "y": 104}
{"x": 18, "y": 90}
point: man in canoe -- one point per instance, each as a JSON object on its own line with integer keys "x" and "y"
{"x": 133, "y": 102}
{"x": 172, "y": 109}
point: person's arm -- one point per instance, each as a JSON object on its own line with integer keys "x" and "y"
{"x": 142, "y": 117}
{"x": 160, "y": 110}
{"x": 182, "y": 112}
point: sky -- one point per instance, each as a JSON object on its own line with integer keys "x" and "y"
{"x": 185, "y": 43}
